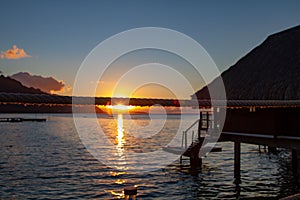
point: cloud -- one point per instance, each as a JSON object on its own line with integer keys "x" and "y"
{"x": 46, "y": 84}
{"x": 14, "y": 53}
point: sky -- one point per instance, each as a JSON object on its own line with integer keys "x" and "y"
{"x": 51, "y": 39}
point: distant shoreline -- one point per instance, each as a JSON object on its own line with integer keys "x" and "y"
{"x": 67, "y": 109}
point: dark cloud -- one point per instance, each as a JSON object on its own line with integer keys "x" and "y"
{"x": 46, "y": 84}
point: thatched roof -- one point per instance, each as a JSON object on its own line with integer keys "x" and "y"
{"x": 270, "y": 71}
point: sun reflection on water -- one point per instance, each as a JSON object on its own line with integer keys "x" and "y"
{"x": 120, "y": 136}
{"x": 120, "y": 143}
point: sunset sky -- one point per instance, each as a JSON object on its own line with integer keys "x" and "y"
{"x": 52, "y": 38}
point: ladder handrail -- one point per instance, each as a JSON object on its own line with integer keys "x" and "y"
{"x": 184, "y": 134}
{"x": 191, "y": 126}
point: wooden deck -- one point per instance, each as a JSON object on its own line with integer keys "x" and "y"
{"x": 20, "y": 119}
{"x": 280, "y": 141}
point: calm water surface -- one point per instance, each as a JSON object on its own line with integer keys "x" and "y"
{"x": 48, "y": 161}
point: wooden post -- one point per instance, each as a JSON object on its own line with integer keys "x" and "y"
{"x": 195, "y": 162}
{"x": 180, "y": 160}
{"x": 237, "y": 162}
{"x": 295, "y": 161}
{"x": 214, "y": 118}
{"x": 200, "y": 126}
{"x": 272, "y": 150}
{"x": 207, "y": 120}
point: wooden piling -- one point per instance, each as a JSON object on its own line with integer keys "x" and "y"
{"x": 20, "y": 119}
{"x": 200, "y": 125}
{"x": 272, "y": 150}
{"x": 195, "y": 162}
{"x": 193, "y": 153}
{"x": 237, "y": 162}
{"x": 295, "y": 161}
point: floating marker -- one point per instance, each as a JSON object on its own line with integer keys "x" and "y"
{"x": 130, "y": 192}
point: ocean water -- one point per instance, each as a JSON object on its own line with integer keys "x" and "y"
{"x": 47, "y": 160}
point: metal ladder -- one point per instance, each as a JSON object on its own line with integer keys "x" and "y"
{"x": 204, "y": 123}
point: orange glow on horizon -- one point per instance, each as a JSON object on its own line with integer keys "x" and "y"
{"x": 145, "y": 91}
{"x": 120, "y": 107}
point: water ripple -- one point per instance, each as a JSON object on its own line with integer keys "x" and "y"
{"x": 48, "y": 161}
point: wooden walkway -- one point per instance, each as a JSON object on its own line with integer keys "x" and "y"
{"x": 19, "y": 119}
{"x": 279, "y": 141}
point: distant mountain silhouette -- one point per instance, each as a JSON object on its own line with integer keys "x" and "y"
{"x": 10, "y": 85}
{"x": 270, "y": 71}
